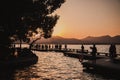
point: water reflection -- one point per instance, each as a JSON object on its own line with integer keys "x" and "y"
{"x": 51, "y": 66}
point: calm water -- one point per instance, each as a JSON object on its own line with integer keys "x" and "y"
{"x": 51, "y": 66}
{"x": 56, "y": 66}
{"x": 100, "y": 48}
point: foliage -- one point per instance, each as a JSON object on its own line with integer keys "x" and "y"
{"x": 22, "y": 19}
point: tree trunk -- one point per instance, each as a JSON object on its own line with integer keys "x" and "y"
{"x": 31, "y": 44}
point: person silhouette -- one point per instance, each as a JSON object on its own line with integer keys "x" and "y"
{"x": 65, "y": 47}
{"x": 112, "y": 52}
{"x": 93, "y": 53}
{"x": 82, "y": 48}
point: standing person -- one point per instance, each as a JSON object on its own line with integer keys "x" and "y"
{"x": 81, "y": 55}
{"x": 60, "y": 46}
{"x": 42, "y": 47}
{"x": 65, "y": 46}
{"x": 112, "y": 51}
{"x": 82, "y": 48}
{"x": 94, "y": 51}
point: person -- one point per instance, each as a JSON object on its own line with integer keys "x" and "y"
{"x": 42, "y": 46}
{"x": 46, "y": 47}
{"x": 81, "y": 55}
{"x": 66, "y": 47}
{"x": 93, "y": 53}
{"x": 60, "y": 46}
{"x": 112, "y": 52}
{"x": 82, "y": 48}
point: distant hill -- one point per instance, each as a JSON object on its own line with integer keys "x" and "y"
{"x": 59, "y": 40}
{"x": 102, "y": 39}
{"x": 89, "y": 39}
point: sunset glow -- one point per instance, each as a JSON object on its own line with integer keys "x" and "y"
{"x": 59, "y": 31}
{"x": 82, "y": 18}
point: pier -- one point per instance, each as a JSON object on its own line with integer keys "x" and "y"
{"x": 54, "y": 47}
{"x": 102, "y": 62}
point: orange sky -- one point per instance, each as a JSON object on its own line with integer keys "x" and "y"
{"x": 82, "y": 18}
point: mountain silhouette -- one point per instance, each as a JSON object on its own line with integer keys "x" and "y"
{"x": 60, "y": 40}
{"x": 102, "y": 39}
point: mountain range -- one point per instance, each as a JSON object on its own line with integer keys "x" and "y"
{"x": 88, "y": 40}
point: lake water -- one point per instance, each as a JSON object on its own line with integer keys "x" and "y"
{"x": 56, "y": 66}
{"x": 100, "y": 48}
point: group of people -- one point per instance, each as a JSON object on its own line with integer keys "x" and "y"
{"x": 112, "y": 51}
{"x": 47, "y": 46}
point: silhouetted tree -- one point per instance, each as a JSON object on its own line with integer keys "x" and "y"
{"x": 28, "y": 19}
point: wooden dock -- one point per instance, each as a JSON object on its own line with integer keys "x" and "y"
{"x": 58, "y": 50}
{"x": 102, "y": 62}
{"x": 86, "y": 56}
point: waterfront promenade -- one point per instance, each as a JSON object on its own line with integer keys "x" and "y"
{"x": 102, "y": 61}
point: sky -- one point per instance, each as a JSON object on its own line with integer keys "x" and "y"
{"x": 82, "y": 18}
